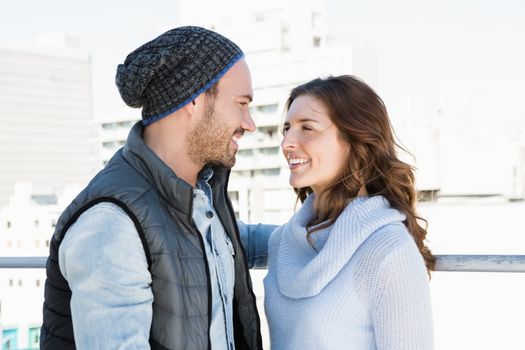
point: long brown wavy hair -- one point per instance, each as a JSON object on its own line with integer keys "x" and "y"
{"x": 362, "y": 120}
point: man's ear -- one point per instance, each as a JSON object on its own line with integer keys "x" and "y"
{"x": 189, "y": 107}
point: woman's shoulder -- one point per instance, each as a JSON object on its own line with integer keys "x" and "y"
{"x": 387, "y": 240}
{"x": 390, "y": 251}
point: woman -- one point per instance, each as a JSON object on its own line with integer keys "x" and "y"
{"x": 350, "y": 269}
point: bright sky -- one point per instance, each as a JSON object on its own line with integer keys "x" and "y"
{"x": 425, "y": 49}
{"x": 109, "y": 30}
{"x": 447, "y": 49}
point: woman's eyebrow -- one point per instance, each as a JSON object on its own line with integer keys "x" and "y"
{"x": 302, "y": 120}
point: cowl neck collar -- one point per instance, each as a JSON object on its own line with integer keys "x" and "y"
{"x": 302, "y": 271}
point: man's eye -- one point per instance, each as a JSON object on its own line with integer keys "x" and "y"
{"x": 284, "y": 130}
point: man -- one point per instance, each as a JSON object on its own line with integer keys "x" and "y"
{"x": 149, "y": 253}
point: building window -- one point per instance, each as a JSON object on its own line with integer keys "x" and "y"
{"x": 11, "y": 282}
{"x": 267, "y": 172}
{"x": 285, "y": 37}
{"x": 38, "y": 283}
{"x": 269, "y": 150}
{"x": 245, "y": 152}
{"x": 8, "y": 224}
{"x": 269, "y": 132}
{"x": 37, "y": 223}
{"x": 267, "y": 109}
{"x": 272, "y": 172}
{"x": 34, "y": 337}
{"x": 126, "y": 124}
{"x": 234, "y": 196}
{"x": 316, "y": 20}
{"x": 47, "y": 242}
{"x": 37, "y": 243}
{"x": 259, "y": 17}
{"x": 20, "y": 283}
{"x": 9, "y": 338}
{"x": 317, "y": 41}
{"x": 9, "y": 244}
{"x": 53, "y": 223}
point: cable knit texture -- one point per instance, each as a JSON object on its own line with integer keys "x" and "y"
{"x": 364, "y": 286}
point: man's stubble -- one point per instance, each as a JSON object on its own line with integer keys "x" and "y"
{"x": 209, "y": 141}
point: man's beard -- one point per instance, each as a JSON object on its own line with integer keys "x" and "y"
{"x": 209, "y": 141}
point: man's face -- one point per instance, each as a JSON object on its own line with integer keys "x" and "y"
{"x": 224, "y": 119}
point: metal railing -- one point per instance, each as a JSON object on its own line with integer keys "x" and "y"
{"x": 29, "y": 262}
{"x": 481, "y": 263}
{"x": 455, "y": 263}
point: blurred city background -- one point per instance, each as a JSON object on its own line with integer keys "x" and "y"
{"x": 451, "y": 75}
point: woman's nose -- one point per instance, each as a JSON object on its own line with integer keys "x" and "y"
{"x": 289, "y": 141}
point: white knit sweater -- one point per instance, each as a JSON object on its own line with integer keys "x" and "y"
{"x": 367, "y": 288}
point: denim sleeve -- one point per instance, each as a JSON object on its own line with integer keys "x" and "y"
{"x": 103, "y": 260}
{"x": 255, "y": 238}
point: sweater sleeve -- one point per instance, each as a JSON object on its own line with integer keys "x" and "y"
{"x": 401, "y": 308}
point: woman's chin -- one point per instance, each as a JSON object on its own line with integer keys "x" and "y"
{"x": 297, "y": 184}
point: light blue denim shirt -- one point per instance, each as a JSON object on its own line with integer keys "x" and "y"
{"x": 220, "y": 255}
{"x": 103, "y": 260}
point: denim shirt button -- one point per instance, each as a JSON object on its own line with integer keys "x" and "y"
{"x": 209, "y": 214}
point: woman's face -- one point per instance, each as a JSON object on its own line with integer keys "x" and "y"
{"x": 312, "y": 145}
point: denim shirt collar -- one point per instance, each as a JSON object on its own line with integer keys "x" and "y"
{"x": 203, "y": 182}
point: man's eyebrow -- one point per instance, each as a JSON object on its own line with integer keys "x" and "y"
{"x": 248, "y": 97}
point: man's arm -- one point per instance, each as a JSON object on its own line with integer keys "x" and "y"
{"x": 103, "y": 260}
{"x": 255, "y": 241}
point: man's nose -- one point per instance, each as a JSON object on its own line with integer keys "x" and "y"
{"x": 247, "y": 123}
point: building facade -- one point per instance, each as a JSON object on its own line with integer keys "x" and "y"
{"x": 112, "y": 132}
{"x": 46, "y": 131}
{"x": 26, "y": 226}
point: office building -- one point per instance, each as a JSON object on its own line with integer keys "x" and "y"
{"x": 46, "y": 132}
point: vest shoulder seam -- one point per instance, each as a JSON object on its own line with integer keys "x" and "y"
{"x": 124, "y": 207}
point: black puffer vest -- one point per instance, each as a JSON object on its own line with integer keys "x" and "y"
{"x": 160, "y": 205}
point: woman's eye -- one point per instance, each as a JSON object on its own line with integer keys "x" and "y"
{"x": 306, "y": 128}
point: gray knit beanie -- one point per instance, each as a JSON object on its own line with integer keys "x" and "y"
{"x": 168, "y": 72}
